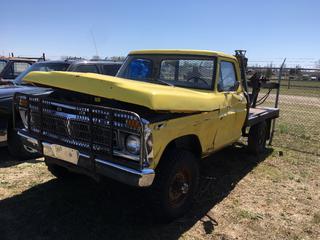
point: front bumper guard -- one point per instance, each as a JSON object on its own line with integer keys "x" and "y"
{"x": 133, "y": 177}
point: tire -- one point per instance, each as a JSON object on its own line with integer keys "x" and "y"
{"x": 175, "y": 185}
{"x": 257, "y": 138}
{"x": 16, "y": 147}
{"x": 59, "y": 172}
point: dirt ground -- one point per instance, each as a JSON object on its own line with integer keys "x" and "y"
{"x": 274, "y": 196}
{"x": 241, "y": 196}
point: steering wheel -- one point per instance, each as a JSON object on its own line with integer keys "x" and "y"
{"x": 196, "y": 79}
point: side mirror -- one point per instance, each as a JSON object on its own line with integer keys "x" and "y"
{"x": 236, "y": 85}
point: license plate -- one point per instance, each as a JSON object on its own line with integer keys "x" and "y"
{"x": 60, "y": 152}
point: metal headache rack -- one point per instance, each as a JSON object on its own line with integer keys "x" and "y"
{"x": 13, "y": 57}
{"x": 89, "y": 128}
{"x": 257, "y": 82}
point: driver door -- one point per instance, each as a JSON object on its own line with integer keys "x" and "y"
{"x": 228, "y": 87}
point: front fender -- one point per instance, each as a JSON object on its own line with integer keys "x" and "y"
{"x": 166, "y": 131}
{"x": 5, "y": 118}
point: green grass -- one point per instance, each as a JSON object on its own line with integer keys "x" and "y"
{"x": 298, "y": 125}
{"x": 300, "y": 83}
{"x": 298, "y": 88}
{"x": 295, "y": 91}
{"x": 310, "y": 92}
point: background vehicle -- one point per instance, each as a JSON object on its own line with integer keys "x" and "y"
{"x": 150, "y": 126}
{"x": 18, "y": 85}
{"x": 102, "y": 67}
{"x": 11, "y": 67}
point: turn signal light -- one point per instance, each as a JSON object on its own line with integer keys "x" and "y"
{"x": 132, "y": 123}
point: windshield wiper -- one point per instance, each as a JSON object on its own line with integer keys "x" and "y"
{"x": 164, "y": 82}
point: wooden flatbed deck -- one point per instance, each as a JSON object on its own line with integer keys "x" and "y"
{"x": 260, "y": 114}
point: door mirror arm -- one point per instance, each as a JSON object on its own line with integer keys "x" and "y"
{"x": 236, "y": 85}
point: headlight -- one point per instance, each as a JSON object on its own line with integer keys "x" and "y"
{"x": 133, "y": 144}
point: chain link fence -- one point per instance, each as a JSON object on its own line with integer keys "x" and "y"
{"x": 298, "y": 127}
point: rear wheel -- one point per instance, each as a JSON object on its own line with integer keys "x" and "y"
{"x": 175, "y": 185}
{"x": 257, "y": 138}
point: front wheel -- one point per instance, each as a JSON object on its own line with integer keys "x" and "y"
{"x": 17, "y": 149}
{"x": 175, "y": 184}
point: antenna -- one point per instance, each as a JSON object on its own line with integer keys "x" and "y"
{"x": 94, "y": 42}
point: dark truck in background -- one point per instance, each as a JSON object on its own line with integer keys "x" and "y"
{"x": 11, "y": 67}
{"x": 8, "y": 135}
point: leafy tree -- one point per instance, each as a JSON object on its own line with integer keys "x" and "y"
{"x": 71, "y": 58}
{"x": 292, "y": 71}
{"x": 295, "y": 71}
{"x": 298, "y": 70}
{"x": 95, "y": 57}
{"x": 117, "y": 58}
{"x": 269, "y": 71}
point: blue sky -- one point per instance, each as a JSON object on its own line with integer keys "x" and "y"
{"x": 269, "y": 30}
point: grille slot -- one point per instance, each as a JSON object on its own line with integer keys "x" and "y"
{"x": 86, "y": 127}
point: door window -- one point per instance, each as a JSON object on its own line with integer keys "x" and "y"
{"x": 2, "y": 65}
{"x": 228, "y": 79}
{"x": 111, "y": 69}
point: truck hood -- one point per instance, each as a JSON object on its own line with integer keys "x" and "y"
{"x": 153, "y": 96}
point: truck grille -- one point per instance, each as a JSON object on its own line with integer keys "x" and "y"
{"x": 89, "y": 128}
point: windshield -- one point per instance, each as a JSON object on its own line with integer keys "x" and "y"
{"x": 184, "y": 71}
{"x": 2, "y": 65}
{"x": 44, "y": 67}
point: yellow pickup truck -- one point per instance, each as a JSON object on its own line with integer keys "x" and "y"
{"x": 149, "y": 126}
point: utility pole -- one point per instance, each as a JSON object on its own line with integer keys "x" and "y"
{"x": 94, "y": 42}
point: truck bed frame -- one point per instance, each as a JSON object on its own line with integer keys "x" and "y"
{"x": 259, "y": 114}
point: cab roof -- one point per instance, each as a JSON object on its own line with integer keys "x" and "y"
{"x": 183, "y": 52}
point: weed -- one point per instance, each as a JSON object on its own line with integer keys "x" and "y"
{"x": 283, "y": 128}
{"x": 245, "y": 214}
{"x": 316, "y": 218}
{"x": 269, "y": 171}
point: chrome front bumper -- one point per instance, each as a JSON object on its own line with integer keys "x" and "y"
{"x": 138, "y": 178}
